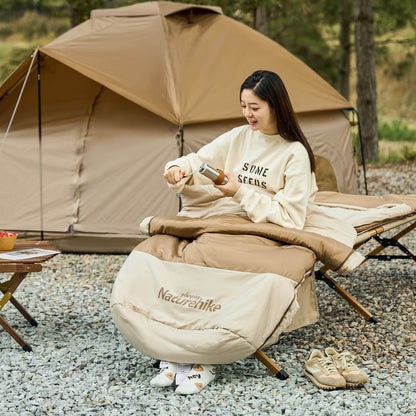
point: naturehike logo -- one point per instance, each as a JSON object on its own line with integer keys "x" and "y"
{"x": 188, "y": 300}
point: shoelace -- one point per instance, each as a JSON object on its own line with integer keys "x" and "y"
{"x": 346, "y": 360}
{"x": 328, "y": 365}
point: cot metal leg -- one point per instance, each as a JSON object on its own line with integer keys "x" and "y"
{"x": 271, "y": 365}
{"x": 390, "y": 242}
{"x": 319, "y": 275}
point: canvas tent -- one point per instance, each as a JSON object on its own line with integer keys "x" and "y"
{"x": 123, "y": 93}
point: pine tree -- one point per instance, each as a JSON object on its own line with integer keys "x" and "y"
{"x": 366, "y": 77}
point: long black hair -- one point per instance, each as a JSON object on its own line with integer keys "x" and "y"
{"x": 269, "y": 87}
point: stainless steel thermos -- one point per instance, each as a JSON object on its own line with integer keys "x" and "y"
{"x": 216, "y": 175}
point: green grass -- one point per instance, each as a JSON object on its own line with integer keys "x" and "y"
{"x": 11, "y": 55}
{"x": 19, "y": 37}
{"x": 396, "y": 151}
{"x": 396, "y": 131}
{"x": 397, "y": 142}
{"x": 5, "y": 48}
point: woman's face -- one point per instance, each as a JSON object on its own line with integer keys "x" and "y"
{"x": 258, "y": 112}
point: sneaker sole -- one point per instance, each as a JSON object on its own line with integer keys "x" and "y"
{"x": 320, "y": 385}
{"x": 356, "y": 384}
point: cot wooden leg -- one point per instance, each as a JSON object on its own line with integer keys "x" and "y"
{"x": 346, "y": 295}
{"x": 264, "y": 359}
{"x": 271, "y": 365}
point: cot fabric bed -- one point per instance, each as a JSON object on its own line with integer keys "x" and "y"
{"x": 218, "y": 289}
{"x": 372, "y": 226}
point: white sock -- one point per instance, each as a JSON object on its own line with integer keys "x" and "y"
{"x": 182, "y": 370}
{"x": 166, "y": 377}
{"x": 199, "y": 377}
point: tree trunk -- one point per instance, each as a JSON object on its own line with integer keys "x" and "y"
{"x": 366, "y": 78}
{"x": 345, "y": 43}
{"x": 75, "y": 13}
{"x": 261, "y": 20}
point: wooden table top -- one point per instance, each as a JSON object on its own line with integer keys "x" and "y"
{"x": 25, "y": 245}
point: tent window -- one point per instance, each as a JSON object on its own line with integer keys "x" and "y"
{"x": 191, "y": 14}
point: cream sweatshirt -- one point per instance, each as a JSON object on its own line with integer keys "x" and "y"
{"x": 275, "y": 175}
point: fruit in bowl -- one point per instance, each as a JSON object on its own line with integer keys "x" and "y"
{"x": 7, "y": 240}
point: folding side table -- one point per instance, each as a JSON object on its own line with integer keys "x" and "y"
{"x": 20, "y": 269}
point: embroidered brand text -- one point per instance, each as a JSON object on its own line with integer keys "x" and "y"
{"x": 190, "y": 301}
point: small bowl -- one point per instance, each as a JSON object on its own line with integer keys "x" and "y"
{"x": 7, "y": 243}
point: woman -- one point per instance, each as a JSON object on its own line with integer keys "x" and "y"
{"x": 269, "y": 163}
{"x": 270, "y": 170}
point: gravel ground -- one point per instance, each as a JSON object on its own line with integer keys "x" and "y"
{"x": 81, "y": 365}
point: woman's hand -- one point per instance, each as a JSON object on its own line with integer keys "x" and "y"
{"x": 231, "y": 187}
{"x": 174, "y": 174}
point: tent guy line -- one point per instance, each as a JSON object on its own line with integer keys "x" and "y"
{"x": 33, "y": 56}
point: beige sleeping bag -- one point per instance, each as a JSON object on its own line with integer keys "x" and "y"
{"x": 218, "y": 289}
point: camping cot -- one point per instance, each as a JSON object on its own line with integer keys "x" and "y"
{"x": 218, "y": 289}
{"x": 373, "y": 229}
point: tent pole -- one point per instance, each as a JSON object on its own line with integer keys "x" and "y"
{"x": 179, "y": 143}
{"x": 179, "y": 140}
{"x": 361, "y": 149}
{"x": 40, "y": 149}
